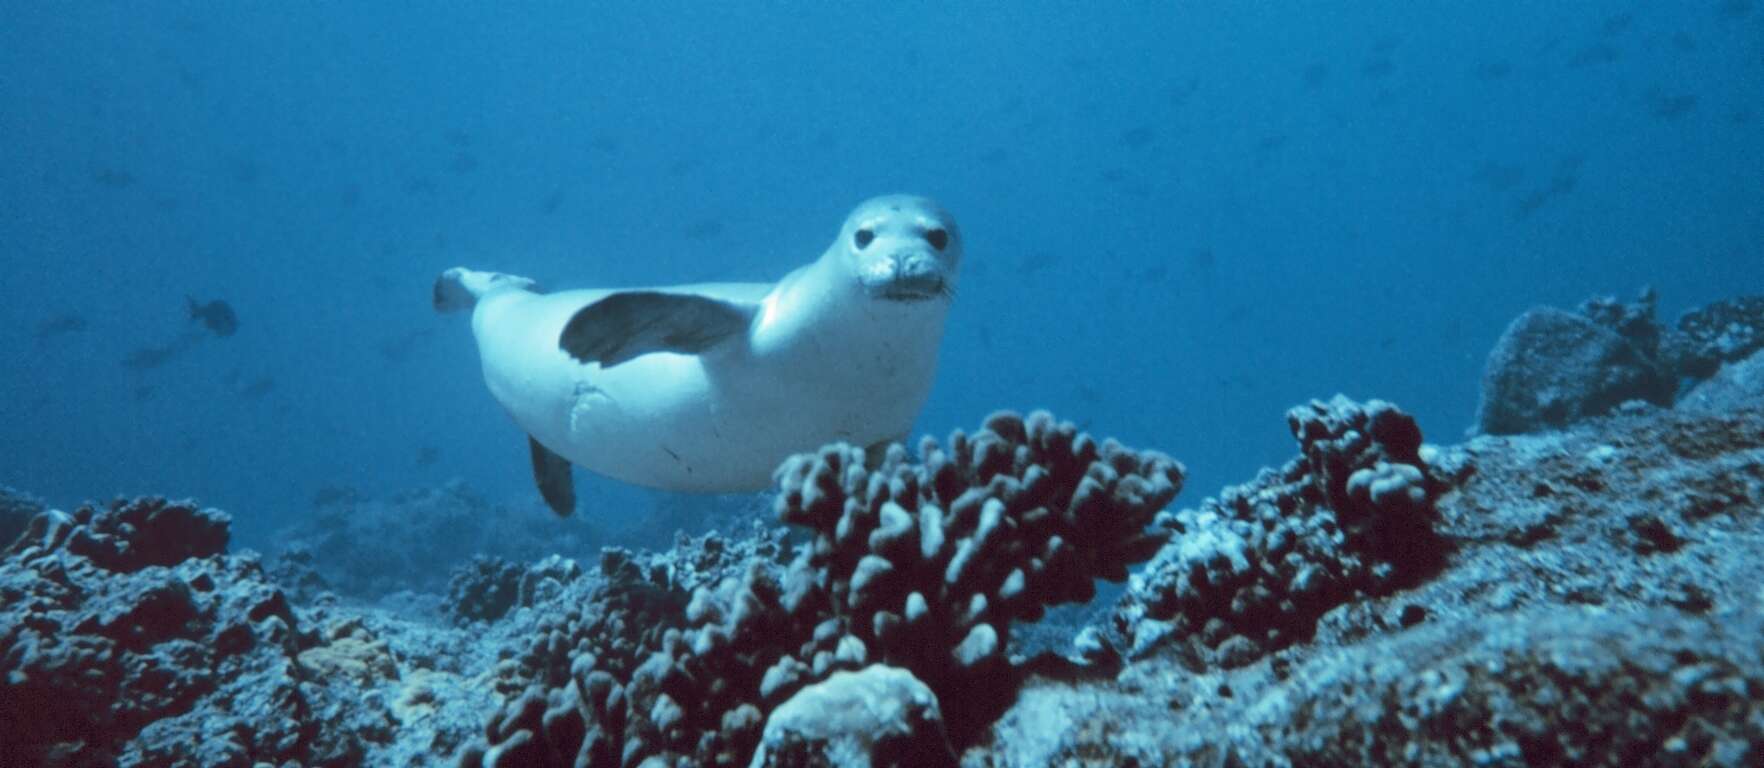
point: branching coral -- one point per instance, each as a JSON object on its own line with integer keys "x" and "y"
{"x": 920, "y": 565}
{"x": 1250, "y": 571}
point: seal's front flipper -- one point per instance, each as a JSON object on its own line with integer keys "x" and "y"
{"x": 460, "y": 288}
{"x": 552, "y": 473}
{"x": 631, "y": 323}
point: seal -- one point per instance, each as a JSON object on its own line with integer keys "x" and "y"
{"x": 708, "y": 387}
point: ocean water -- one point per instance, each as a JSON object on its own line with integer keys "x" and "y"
{"x": 1180, "y": 218}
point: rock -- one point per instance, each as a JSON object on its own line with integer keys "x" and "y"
{"x": 1552, "y": 368}
{"x": 16, "y": 510}
{"x": 880, "y": 716}
{"x": 1736, "y": 384}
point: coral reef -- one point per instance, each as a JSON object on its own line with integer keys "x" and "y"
{"x": 922, "y": 566}
{"x": 1586, "y": 596}
{"x": 1724, "y": 332}
{"x": 125, "y": 637}
{"x": 1250, "y": 571}
{"x": 128, "y": 636}
{"x": 482, "y": 590}
{"x": 1598, "y": 606}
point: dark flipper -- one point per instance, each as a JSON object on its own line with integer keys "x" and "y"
{"x": 552, "y": 473}
{"x": 625, "y": 325}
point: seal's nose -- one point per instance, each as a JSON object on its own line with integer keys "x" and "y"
{"x": 916, "y": 265}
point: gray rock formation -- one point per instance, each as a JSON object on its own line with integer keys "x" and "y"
{"x": 879, "y": 716}
{"x": 1553, "y": 368}
{"x": 1735, "y": 385}
{"x": 16, "y": 510}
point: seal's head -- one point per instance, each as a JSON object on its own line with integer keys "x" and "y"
{"x": 902, "y": 248}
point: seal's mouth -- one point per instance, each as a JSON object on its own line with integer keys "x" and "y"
{"x": 914, "y": 290}
{"x": 907, "y": 277}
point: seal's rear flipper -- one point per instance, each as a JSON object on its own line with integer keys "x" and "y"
{"x": 460, "y": 288}
{"x": 552, "y": 473}
{"x": 631, "y": 323}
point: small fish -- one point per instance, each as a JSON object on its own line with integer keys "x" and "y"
{"x": 217, "y": 315}
{"x": 151, "y": 357}
{"x": 61, "y": 325}
{"x": 427, "y": 456}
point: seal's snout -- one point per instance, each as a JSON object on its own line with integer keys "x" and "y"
{"x": 907, "y": 275}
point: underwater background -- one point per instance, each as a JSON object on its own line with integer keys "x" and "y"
{"x": 220, "y": 225}
{"x": 1177, "y": 214}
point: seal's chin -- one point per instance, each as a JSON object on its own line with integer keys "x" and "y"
{"x": 909, "y": 289}
{"x": 907, "y": 278}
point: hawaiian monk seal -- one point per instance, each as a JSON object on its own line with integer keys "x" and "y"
{"x": 709, "y": 387}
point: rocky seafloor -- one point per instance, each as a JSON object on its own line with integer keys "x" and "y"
{"x": 1577, "y": 584}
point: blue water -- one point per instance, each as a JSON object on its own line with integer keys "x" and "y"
{"x": 1181, "y": 218}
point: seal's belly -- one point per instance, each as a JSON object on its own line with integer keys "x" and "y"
{"x": 670, "y": 421}
{"x": 663, "y": 421}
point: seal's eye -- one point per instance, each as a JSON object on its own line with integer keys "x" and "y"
{"x": 863, "y": 237}
{"x": 938, "y": 238}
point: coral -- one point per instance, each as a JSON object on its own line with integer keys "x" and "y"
{"x": 921, "y": 566}
{"x": 926, "y": 565}
{"x": 296, "y": 572}
{"x": 1599, "y": 607}
{"x": 125, "y": 637}
{"x": 1722, "y": 332}
{"x": 482, "y": 590}
{"x": 128, "y": 536}
{"x": 1250, "y": 571}
{"x": 352, "y": 653}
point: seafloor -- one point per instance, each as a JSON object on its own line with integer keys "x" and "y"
{"x": 1582, "y": 590}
